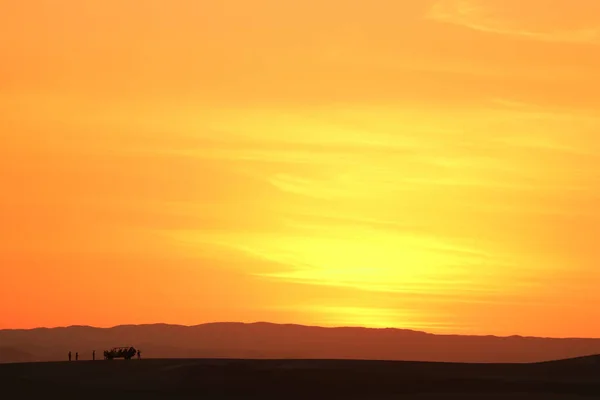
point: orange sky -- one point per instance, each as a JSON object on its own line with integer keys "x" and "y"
{"x": 430, "y": 164}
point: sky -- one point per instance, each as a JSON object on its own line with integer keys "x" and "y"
{"x": 421, "y": 164}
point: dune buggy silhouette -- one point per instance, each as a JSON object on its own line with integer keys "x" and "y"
{"x": 120, "y": 352}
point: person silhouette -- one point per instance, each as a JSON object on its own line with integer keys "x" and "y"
{"x": 139, "y": 354}
{"x": 93, "y": 355}
{"x": 76, "y": 356}
{"x": 69, "y": 356}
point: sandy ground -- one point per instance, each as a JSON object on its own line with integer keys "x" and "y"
{"x": 299, "y": 379}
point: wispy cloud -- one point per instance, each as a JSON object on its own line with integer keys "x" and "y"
{"x": 376, "y": 317}
{"x": 490, "y": 16}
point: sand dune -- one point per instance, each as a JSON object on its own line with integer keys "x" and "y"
{"x": 268, "y": 361}
{"x": 296, "y": 379}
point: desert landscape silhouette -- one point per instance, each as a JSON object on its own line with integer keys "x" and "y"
{"x": 263, "y": 340}
{"x": 271, "y": 361}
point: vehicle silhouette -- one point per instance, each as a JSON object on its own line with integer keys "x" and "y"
{"x": 120, "y": 352}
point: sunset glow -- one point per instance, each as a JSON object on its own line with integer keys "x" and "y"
{"x": 421, "y": 164}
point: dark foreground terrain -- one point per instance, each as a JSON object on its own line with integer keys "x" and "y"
{"x": 301, "y": 379}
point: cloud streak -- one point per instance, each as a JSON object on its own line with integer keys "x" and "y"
{"x": 487, "y": 16}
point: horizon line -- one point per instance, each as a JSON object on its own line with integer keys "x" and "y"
{"x": 299, "y": 325}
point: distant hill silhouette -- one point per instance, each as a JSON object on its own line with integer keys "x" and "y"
{"x": 266, "y": 340}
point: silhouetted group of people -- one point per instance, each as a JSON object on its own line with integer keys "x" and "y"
{"x": 139, "y": 355}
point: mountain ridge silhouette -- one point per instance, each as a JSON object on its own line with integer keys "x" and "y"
{"x": 270, "y": 340}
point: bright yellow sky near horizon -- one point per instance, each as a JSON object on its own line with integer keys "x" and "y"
{"x": 424, "y": 164}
